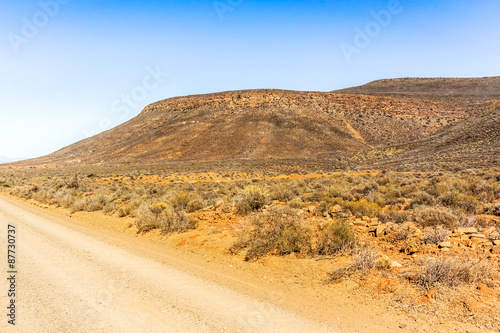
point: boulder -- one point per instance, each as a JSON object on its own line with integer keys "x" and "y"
{"x": 380, "y": 230}
{"x": 444, "y": 245}
{"x": 468, "y": 230}
{"x": 359, "y": 223}
{"x": 396, "y": 264}
{"x": 335, "y": 209}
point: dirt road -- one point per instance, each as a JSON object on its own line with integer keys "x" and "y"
{"x": 68, "y": 281}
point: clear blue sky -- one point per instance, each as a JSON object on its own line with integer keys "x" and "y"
{"x": 70, "y": 76}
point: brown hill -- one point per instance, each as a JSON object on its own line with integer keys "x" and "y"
{"x": 474, "y": 142}
{"x": 478, "y": 89}
{"x": 261, "y": 124}
{"x": 403, "y": 118}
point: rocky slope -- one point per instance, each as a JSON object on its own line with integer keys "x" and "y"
{"x": 276, "y": 124}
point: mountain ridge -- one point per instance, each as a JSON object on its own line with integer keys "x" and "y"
{"x": 273, "y": 124}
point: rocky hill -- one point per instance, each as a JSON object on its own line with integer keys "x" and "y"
{"x": 277, "y": 125}
{"x": 474, "y": 141}
{"x": 261, "y": 124}
{"x": 449, "y": 89}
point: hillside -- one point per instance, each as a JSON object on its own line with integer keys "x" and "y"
{"x": 408, "y": 117}
{"x": 449, "y": 89}
{"x": 474, "y": 142}
{"x": 260, "y": 124}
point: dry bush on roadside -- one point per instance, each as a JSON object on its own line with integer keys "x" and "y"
{"x": 430, "y": 217}
{"x": 277, "y": 228}
{"x": 110, "y": 208}
{"x": 162, "y": 216}
{"x": 78, "y": 205}
{"x": 452, "y": 272}
{"x": 336, "y": 237}
{"x": 64, "y": 198}
{"x": 5, "y": 184}
{"x": 365, "y": 259}
{"x": 251, "y": 198}
{"x": 436, "y": 234}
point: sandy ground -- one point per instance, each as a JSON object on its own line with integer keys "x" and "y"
{"x": 90, "y": 274}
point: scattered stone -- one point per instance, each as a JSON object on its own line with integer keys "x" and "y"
{"x": 335, "y": 209}
{"x": 469, "y": 230}
{"x": 409, "y": 225}
{"x": 366, "y": 219}
{"x": 444, "y": 245}
{"x": 496, "y": 242}
{"x": 478, "y": 236}
{"x": 396, "y": 264}
{"x": 380, "y": 230}
{"x": 495, "y": 235}
{"x": 359, "y": 223}
{"x": 311, "y": 209}
{"x": 488, "y": 230}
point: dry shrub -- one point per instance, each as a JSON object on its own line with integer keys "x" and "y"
{"x": 98, "y": 202}
{"x": 180, "y": 200}
{"x": 283, "y": 193}
{"x": 493, "y": 209}
{"x": 5, "y": 183}
{"x": 436, "y": 234}
{"x": 194, "y": 205}
{"x": 467, "y": 203}
{"x": 422, "y": 198}
{"x": 398, "y": 217}
{"x": 275, "y": 229}
{"x": 162, "y": 216}
{"x": 363, "y": 208}
{"x": 336, "y": 237}
{"x": 251, "y": 198}
{"x": 452, "y": 272}
{"x": 430, "y": 217}
{"x": 64, "y": 198}
{"x": 365, "y": 259}
{"x": 110, "y": 208}
{"x": 339, "y": 191}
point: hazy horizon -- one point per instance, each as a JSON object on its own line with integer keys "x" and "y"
{"x": 71, "y": 69}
